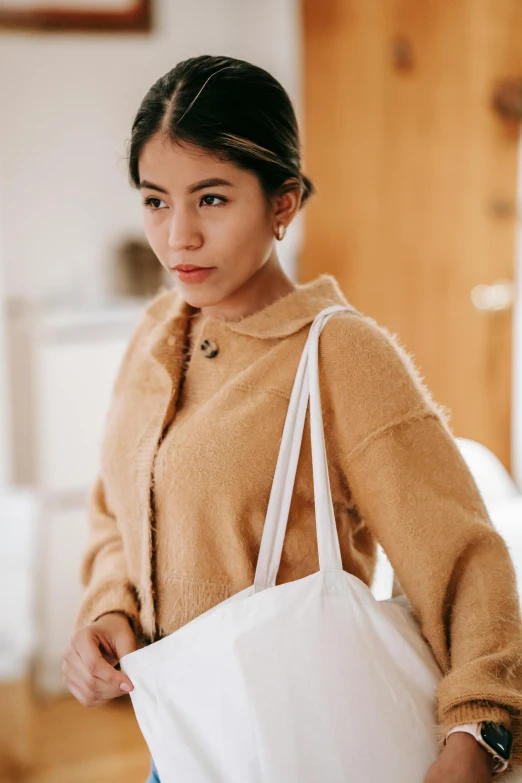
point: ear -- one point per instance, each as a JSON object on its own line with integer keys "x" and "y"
{"x": 286, "y": 203}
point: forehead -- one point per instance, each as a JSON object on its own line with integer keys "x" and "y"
{"x": 180, "y": 164}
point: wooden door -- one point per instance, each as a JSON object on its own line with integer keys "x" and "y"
{"x": 411, "y": 125}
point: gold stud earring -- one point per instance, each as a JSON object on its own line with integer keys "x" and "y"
{"x": 281, "y": 230}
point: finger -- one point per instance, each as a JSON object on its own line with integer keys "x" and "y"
{"x": 114, "y": 644}
{"x": 75, "y": 674}
{"x": 94, "y": 665}
{"x": 93, "y": 690}
{"x": 84, "y": 697}
{"x": 76, "y": 684}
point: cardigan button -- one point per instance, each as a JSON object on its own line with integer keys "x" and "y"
{"x": 209, "y": 349}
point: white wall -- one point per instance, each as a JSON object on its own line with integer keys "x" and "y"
{"x": 68, "y": 102}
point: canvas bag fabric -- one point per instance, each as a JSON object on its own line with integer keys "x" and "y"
{"x": 294, "y": 683}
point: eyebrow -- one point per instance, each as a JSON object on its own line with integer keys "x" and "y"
{"x": 204, "y": 183}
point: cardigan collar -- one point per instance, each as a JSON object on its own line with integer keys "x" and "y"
{"x": 280, "y": 318}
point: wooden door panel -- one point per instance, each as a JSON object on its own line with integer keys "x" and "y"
{"x": 416, "y": 172}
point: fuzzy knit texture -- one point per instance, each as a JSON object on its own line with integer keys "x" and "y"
{"x": 177, "y": 510}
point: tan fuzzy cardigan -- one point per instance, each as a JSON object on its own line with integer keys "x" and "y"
{"x": 177, "y": 511}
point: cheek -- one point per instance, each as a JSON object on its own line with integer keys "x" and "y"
{"x": 245, "y": 225}
{"x": 155, "y": 235}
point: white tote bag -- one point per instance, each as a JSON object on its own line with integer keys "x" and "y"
{"x": 313, "y": 680}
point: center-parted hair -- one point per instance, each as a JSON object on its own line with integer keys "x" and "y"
{"x": 231, "y": 109}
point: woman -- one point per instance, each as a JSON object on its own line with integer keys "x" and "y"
{"x": 193, "y": 432}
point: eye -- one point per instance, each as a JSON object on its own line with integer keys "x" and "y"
{"x": 222, "y": 199}
{"x": 148, "y": 202}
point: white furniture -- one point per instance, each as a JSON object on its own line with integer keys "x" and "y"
{"x": 63, "y": 366}
{"x": 18, "y": 515}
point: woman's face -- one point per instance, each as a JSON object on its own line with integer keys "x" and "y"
{"x": 228, "y": 226}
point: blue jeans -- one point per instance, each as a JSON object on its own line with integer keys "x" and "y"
{"x": 153, "y": 776}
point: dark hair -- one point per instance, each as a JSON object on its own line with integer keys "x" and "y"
{"x": 234, "y": 110}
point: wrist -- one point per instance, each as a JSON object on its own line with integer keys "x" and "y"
{"x": 112, "y": 612}
{"x": 493, "y": 739}
{"x": 467, "y": 744}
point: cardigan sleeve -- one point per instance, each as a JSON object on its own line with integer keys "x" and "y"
{"x": 103, "y": 571}
{"x": 416, "y": 494}
{"x": 103, "y": 574}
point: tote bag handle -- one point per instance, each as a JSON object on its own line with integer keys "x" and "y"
{"x": 305, "y": 388}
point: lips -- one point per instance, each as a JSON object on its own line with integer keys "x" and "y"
{"x": 193, "y": 274}
{"x": 189, "y": 267}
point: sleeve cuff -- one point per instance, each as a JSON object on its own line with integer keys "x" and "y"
{"x": 109, "y": 597}
{"x": 472, "y": 712}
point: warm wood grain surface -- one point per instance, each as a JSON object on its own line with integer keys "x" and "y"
{"x": 60, "y": 741}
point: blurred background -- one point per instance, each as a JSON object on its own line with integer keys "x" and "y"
{"x": 410, "y": 115}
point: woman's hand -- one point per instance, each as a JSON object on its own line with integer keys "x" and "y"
{"x": 90, "y": 658}
{"x": 462, "y": 760}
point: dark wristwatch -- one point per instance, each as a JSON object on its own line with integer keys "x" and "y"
{"x": 494, "y": 737}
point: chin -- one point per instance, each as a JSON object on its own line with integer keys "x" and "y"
{"x": 198, "y": 296}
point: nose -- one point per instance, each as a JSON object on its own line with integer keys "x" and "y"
{"x": 183, "y": 231}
